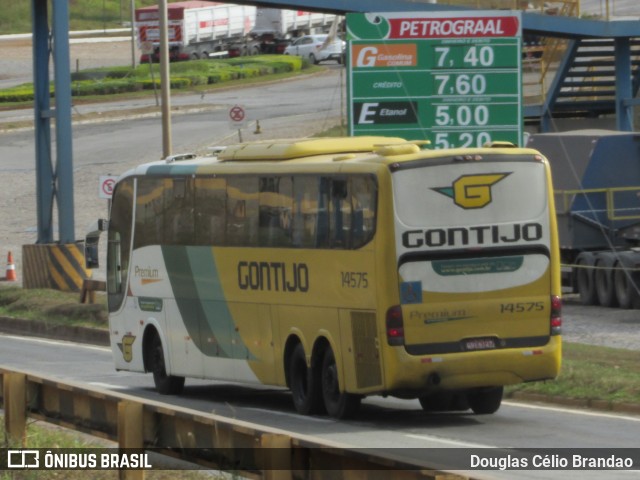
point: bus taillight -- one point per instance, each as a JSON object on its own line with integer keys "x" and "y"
{"x": 395, "y": 326}
{"x": 556, "y": 315}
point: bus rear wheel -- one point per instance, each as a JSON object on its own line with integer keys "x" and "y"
{"x": 165, "y": 384}
{"x": 339, "y": 404}
{"x": 304, "y": 383}
{"x": 485, "y": 401}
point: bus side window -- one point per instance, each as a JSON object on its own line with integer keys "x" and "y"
{"x": 179, "y": 213}
{"x": 119, "y": 243}
{"x": 210, "y": 211}
{"x": 363, "y": 195}
{"x": 276, "y": 210}
{"x": 149, "y": 211}
{"x": 323, "y": 220}
{"x": 242, "y": 211}
{"x": 305, "y": 211}
{"x": 340, "y": 215}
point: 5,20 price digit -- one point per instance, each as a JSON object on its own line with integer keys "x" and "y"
{"x": 461, "y": 140}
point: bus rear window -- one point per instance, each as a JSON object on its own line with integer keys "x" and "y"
{"x": 470, "y": 193}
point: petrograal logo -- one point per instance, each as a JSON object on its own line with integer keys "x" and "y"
{"x": 472, "y": 191}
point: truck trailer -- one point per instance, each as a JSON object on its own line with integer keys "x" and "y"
{"x": 199, "y": 29}
{"x": 596, "y": 176}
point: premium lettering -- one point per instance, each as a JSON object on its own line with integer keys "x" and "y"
{"x": 465, "y": 236}
{"x": 273, "y": 276}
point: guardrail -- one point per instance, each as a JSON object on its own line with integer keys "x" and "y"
{"x": 208, "y": 440}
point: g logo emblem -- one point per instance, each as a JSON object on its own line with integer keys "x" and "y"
{"x": 126, "y": 347}
{"x": 472, "y": 191}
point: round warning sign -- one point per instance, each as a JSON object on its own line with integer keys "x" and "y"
{"x": 237, "y": 116}
{"x": 107, "y": 184}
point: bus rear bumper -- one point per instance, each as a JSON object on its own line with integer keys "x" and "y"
{"x": 458, "y": 371}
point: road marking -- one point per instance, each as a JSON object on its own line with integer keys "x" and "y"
{"x": 298, "y": 416}
{"x": 109, "y": 386}
{"x": 58, "y": 342}
{"x": 447, "y": 441}
{"x": 588, "y": 413}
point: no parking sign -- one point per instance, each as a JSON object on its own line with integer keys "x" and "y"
{"x": 106, "y": 186}
{"x": 238, "y": 116}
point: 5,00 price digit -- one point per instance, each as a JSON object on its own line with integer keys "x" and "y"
{"x": 463, "y": 115}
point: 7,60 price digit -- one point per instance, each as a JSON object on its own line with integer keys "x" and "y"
{"x": 461, "y": 84}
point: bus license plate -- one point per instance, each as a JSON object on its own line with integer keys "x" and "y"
{"x": 480, "y": 344}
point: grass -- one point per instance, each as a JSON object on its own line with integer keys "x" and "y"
{"x": 52, "y": 306}
{"x": 83, "y": 14}
{"x": 593, "y": 373}
{"x": 588, "y": 372}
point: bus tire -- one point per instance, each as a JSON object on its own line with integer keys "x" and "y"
{"x": 305, "y": 384}
{"x": 165, "y": 384}
{"x": 626, "y": 282}
{"x": 603, "y": 280}
{"x": 585, "y": 280}
{"x": 339, "y": 404}
{"x": 485, "y": 401}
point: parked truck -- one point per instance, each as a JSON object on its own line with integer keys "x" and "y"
{"x": 596, "y": 175}
{"x": 199, "y": 29}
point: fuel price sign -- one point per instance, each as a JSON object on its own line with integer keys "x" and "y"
{"x": 450, "y": 77}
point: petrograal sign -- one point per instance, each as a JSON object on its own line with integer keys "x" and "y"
{"x": 450, "y": 77}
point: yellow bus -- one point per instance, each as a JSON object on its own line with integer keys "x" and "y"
{"x": 339, "y": 268}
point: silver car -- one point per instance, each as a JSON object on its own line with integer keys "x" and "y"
{"x": 316, "y": 48}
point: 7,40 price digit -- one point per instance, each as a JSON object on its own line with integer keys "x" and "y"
{"x": 472, "y": 56}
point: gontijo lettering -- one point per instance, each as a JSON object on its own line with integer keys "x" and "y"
{"x": 464, "y": 236}
{"x": 273, "y": 276}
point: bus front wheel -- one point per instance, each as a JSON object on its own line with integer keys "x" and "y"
{"x": 338, "y": 404}
{"x": 485, "y": 401}
{"x": 305, "y": 386}
{"x": 165, "y": 384}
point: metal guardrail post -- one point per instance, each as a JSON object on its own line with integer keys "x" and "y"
{"x": 276, "y": 451}
{"x": 207, "y": 440}
{"x": 15, "y": 407}
{"x": 130, "y": 433}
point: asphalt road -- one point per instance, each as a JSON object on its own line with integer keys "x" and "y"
{"x": 382, "y": 423}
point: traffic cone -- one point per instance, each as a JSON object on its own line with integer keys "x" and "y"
{"x": 11, "y": 269}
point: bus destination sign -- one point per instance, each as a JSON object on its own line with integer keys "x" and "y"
{"x": 453, "y": 78}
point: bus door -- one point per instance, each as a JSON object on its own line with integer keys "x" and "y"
{"x": 472, "y": 240}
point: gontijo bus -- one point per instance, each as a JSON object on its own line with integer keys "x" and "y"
{"x": 339, "y": 268}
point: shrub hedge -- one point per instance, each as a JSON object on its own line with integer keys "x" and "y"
{"x": 111, "y": 80}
